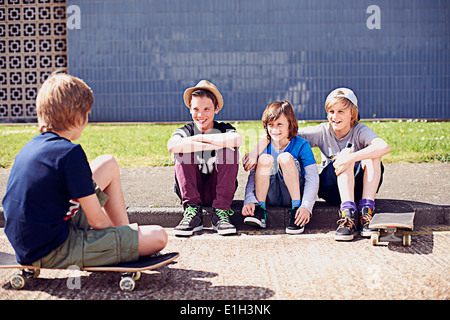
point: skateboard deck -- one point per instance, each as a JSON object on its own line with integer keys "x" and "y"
{"x": 392, "y": 226}
{"x": 131, "y": 271}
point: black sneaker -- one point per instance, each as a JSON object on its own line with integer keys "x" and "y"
{"x": 259, "y": 218}
{"x": 292, "y": 228}
{"x": 366, "y": 217}
{"x": 348, "y": 227}
{"x": 221, "y": 221}
{"x": 192, "y": 221}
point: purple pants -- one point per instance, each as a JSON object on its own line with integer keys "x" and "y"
{"x": 215, "y": 189}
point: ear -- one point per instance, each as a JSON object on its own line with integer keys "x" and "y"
{"x": 216, "y": 111}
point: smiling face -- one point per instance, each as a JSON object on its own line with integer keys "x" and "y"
{"x": 203, "y": 112}
{"x": 340, "y": 118}
{"x": 279, "y": 131}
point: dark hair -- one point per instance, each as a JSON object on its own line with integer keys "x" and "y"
{"x": 274, "y": 110}
{"x": 201, "y": 93}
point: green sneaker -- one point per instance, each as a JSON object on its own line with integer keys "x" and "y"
{"x": 192, "y": 221}
{"x": 221, "y": 221}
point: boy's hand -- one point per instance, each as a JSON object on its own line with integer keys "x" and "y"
{"x": 248, "y": 209}
{"x": 302, "y": 216}
{"x": 249, "y": 161}
{"x": 343, "y": 161}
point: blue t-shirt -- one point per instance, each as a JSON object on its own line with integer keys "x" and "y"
{"x": 47, "y": 173}
{"x": 298, "y": 147}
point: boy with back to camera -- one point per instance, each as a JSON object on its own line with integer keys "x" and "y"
{"x": 61, "y": 210}
{"x": 206, "y": 162}
{"x": 351, "y": 161}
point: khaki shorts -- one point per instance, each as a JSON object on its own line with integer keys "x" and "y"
{"x": 91, "y": 247}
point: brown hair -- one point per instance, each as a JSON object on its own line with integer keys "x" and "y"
{"x": 274, "y": 110}
{"x": 63, "y": 102}
{"x": 201, "y": 93}
{"x": 331, "y": 101}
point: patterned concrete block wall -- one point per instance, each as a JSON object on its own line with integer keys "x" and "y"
{"x": 33, "y": 43}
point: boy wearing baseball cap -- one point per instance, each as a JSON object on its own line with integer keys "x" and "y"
{"x": 206, "y": 162}
{"x": 351, "y": 163}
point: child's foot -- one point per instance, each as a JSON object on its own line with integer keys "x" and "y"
{"x": 292, "y": 228}
{"x": 366, "y": 217}
{"x": 192, "y": 221}
{"x": 347, "y": 225}
{"x": 259, "y": 218}
{"x": 221, "y": 221}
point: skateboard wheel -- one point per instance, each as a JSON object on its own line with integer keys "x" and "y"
{"x": 127, "y": 284}
{"x": 407, "y": 240}
{"x": 374, "y": 239}
{"x": 17, "y": 281}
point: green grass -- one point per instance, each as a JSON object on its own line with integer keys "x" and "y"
{"x": 141, "y": 145}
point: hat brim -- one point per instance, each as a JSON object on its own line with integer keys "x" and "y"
{"x": 188, "y": 94}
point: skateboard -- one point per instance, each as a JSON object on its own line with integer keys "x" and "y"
{"x": 131, "y": 271}
{"x": 392, "y": 226}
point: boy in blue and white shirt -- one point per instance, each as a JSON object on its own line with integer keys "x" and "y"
{"x": 286, "y": 173}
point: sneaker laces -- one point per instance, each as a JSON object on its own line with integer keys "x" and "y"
{"x": 188, "y": 214}
{"x": 346, "y": 222}
{"x": 224, "y": 214}
{"x": 366, "y": 217}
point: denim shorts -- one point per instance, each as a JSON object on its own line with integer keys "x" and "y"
{"x": 278, "y": 194}
{"x": 93, "y": 247}
{"x": 328, "y": 188}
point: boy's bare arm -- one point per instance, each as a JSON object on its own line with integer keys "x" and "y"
{"x": 222, "y": 140}
{"x": 178, "y": 144}
{"x": 377, "y": 148}
{"x": 250, "y": 160}
{"x": 96, "y": 217}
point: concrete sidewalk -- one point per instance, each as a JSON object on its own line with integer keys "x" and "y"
{"x": 420, "y": 187}
{"x": 269, "y": 264}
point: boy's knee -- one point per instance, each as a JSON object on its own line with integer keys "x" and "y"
{"x": 105, "y": 165}
{"x": 161, "y": 237}
{"x": 265, "y": 160}
{"x": 285, "y": 158}
{"x": 371, "y": 163}
{"x": 106, "y": 160}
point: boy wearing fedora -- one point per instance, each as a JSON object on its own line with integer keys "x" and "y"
{"x": 206, "y": 162}
{"x": 352, "y": 171}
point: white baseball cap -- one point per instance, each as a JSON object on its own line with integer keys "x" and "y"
{"x": 344, "y": 93}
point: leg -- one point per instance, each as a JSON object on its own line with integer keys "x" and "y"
{"x": 372, "y": 176}
{"x": 346, "y": 185}
{"x": 222, "y": 182}
{"x": 188, "y": 178}
{"x": 151, "y": 240}
{"x": 106, "y": 174}
{"x": 290, "y": 174}
{"x": 188, "y": 184}
{"x": 262, "y": 176}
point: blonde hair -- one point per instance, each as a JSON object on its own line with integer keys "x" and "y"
{"x": 331, "y": 101}
{"x": 63, "y": 102}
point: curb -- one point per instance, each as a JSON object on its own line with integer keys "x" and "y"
{"x": 324, "y": 215}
